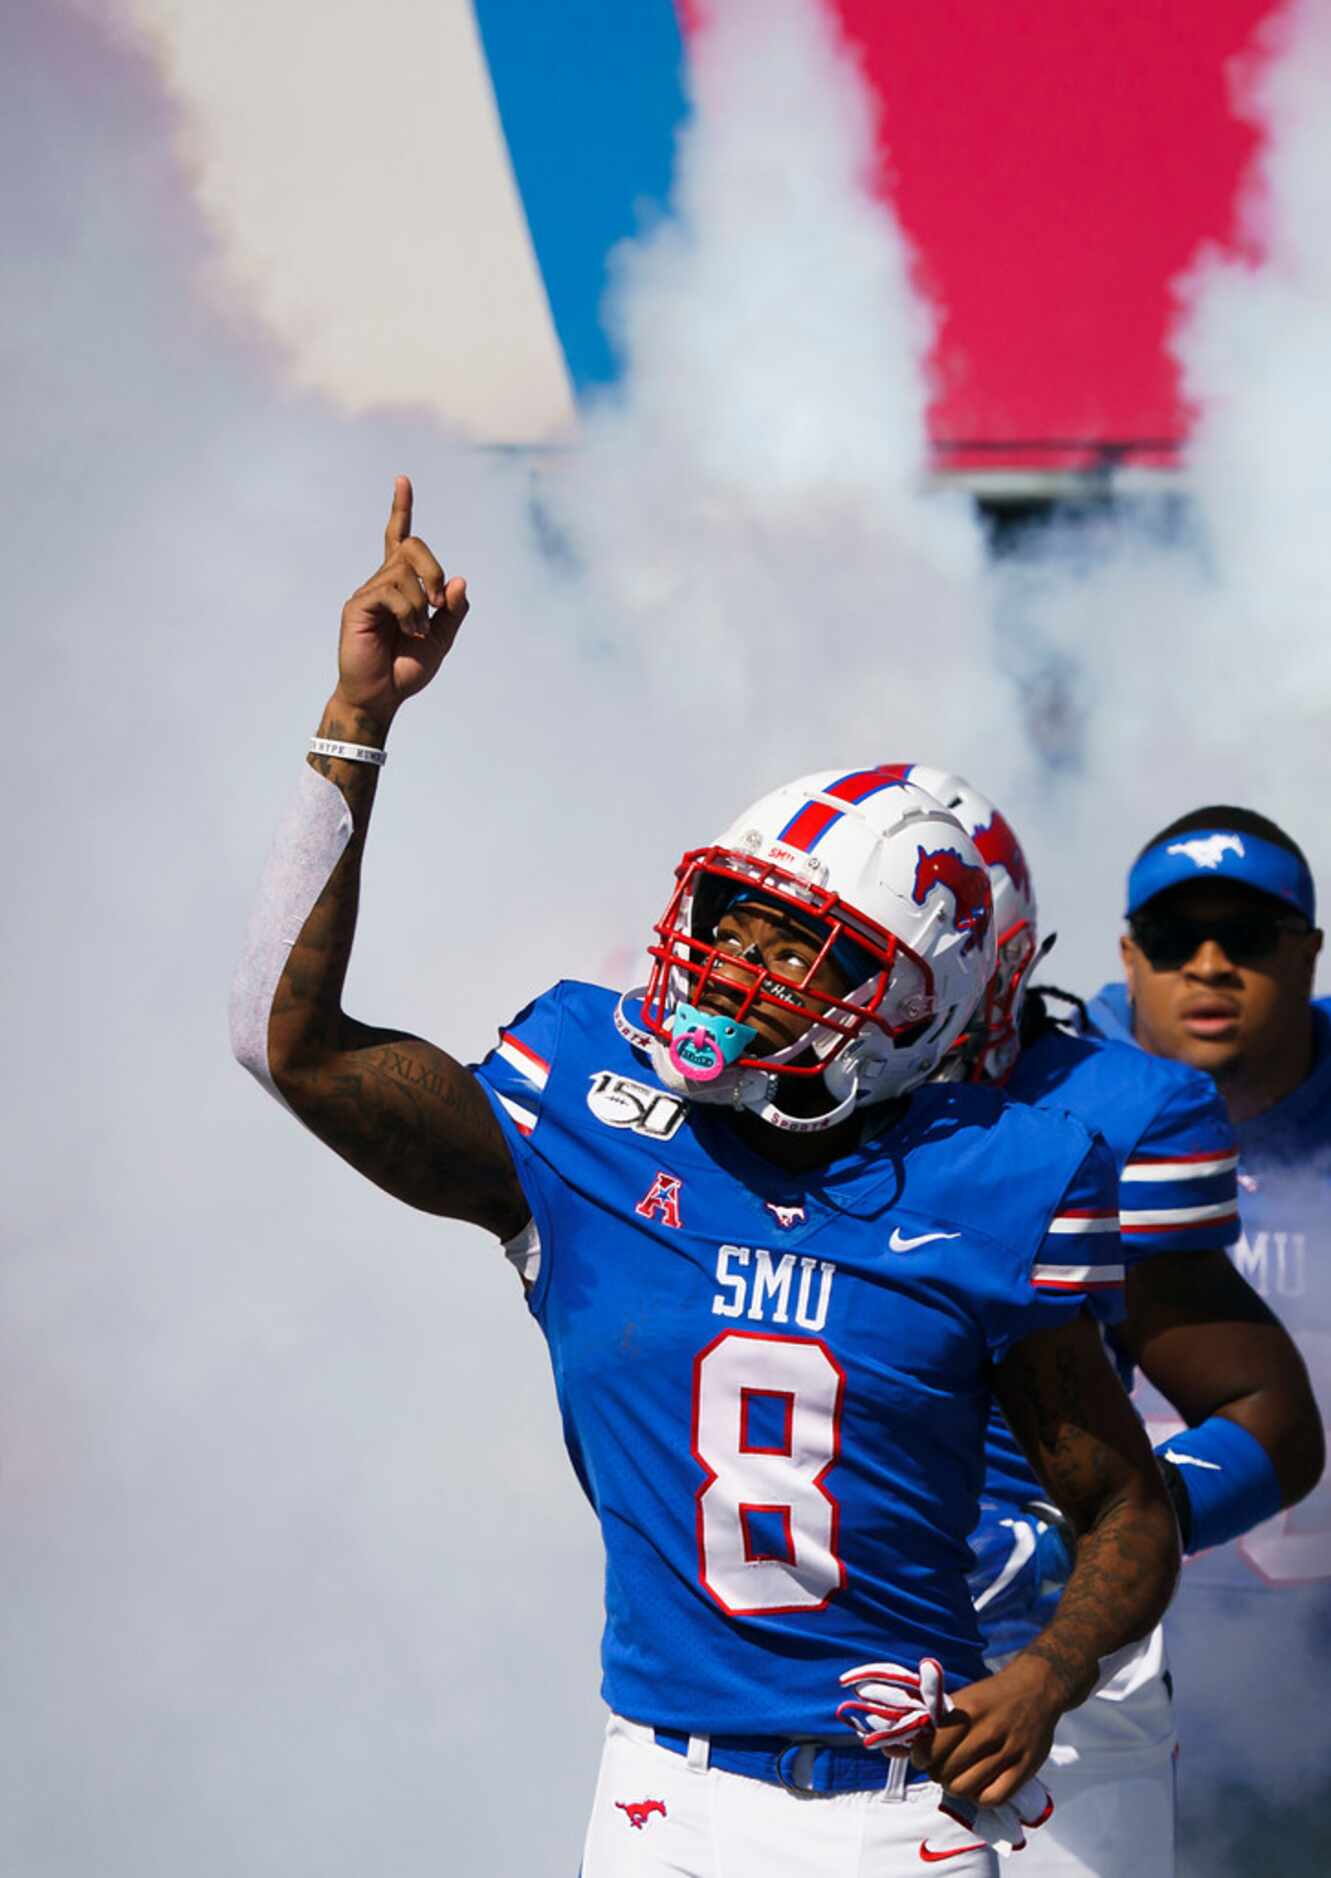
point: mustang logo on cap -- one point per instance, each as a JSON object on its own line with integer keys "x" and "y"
{"x": 1208, "y": 850}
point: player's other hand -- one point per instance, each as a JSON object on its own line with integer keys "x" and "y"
{"x": 392, "y": 642}
{"x": 996, "y": 1734}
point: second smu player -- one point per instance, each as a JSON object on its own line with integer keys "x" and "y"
{"x": 1219, "y": 958}
{"x": 781, "y": 1275}
{"x": 1193, "y": 1325}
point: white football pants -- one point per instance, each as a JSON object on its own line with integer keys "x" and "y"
{"x": 659, "y": 1815}
{"x": 1112, "y": 1777}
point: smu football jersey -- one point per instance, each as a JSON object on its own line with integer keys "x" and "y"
{"x": 1284, "y": 1251}
{"x": 774, "y": 1387}
{"x": 1176, "y": 1157}
{"x": 1261, "y": 1604}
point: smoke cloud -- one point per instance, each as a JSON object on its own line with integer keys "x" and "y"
{"x": 1182, "y": 645}
{"x": 297, "y": 1577}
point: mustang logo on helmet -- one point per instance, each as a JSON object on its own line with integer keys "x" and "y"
{"x": 993, "y": 1038}
{"x": 999, "y": 847}
{"x": 969, "y": 887}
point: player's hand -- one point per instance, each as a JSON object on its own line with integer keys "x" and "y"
{"x": 996, "y": 1734}
{"x": 392, "y": 644}
{"x": 901, "y": 1712}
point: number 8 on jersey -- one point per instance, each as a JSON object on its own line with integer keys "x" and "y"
{"x": 766, "y": 1429}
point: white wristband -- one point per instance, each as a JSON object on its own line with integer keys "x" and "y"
{"x": 349, "y": 752}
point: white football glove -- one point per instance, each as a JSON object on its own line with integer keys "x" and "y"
{"x": 1004, "y": 1827}
{"x": 893, "y": 1708}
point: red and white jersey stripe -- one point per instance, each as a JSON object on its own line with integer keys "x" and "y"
{"x": 1100, "y": 1277}
{"x": 1152, "y": 1167}
{"x": 524, "y": 1119}
{"x": 518, "y": 1074}
{"x": 1184, "y": 1201}
{"x": 521, "y": 1057}
{"x": 1081, "y": 1250}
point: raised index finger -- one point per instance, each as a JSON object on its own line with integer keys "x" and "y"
{"x": 399, "y": 516}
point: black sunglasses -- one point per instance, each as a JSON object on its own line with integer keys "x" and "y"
{"x": 1169, "y": 940}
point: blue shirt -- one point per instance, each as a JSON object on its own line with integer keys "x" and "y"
{"x": 1175, "y": 1156}
{"x": 1262, "y": 1604}
{"x": 774, "y": 1388}
{"x": 1284, "y": 1252}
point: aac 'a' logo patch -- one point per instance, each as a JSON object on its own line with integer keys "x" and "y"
{"x": 662, "y": 1197}
{"x": 620, "y": 1102}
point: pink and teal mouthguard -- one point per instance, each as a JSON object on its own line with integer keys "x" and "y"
{"x": 703, "y": 1044}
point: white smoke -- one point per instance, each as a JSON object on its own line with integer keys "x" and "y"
{"x": 297, "y": 1576}
{"x": 1253, "y": 351}
{"x": 752, "y": 505}
{"x": 1190, "y": 656}
{"x": 1185, "y": 647}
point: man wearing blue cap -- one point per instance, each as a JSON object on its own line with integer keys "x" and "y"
{"x": 1219, "y": 958}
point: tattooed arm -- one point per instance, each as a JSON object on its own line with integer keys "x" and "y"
{"x": 401, "y": 1111}
{"x": 1066, "y": 1406}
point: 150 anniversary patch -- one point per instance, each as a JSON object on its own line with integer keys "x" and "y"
{"x": 620, "y": 1102}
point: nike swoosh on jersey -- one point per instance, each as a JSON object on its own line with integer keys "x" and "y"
{"x": 1023, "y": 1548}
{"x": 897, "y": 1244}
{"x": 1191, "y": 1460}
{"x": 931, "y": 1857}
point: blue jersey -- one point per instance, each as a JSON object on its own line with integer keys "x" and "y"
{"x": 1284, "y": 1252}
{"x": 1265, "y": 1598}
{"x": 1176, "y": 1157}
{"x": 774, "y": 1388}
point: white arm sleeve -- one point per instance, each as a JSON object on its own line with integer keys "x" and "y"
{"x": 310, "y": 841}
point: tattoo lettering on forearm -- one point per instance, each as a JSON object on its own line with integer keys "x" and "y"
{"x": 418, "y": 1075}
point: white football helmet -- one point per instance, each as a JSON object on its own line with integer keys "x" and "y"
{"x": 994, "y": 1047}
{"x": 903, "y": 899}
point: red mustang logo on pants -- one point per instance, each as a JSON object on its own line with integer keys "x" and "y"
{"x": 640, "y": 1810}
{"x": 969, "y": 887}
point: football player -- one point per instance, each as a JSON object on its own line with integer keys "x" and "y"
{"x": 1218, "y": 958}
{"x": 1196, "y": 1329}
{"x": 780, "y": 1274}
